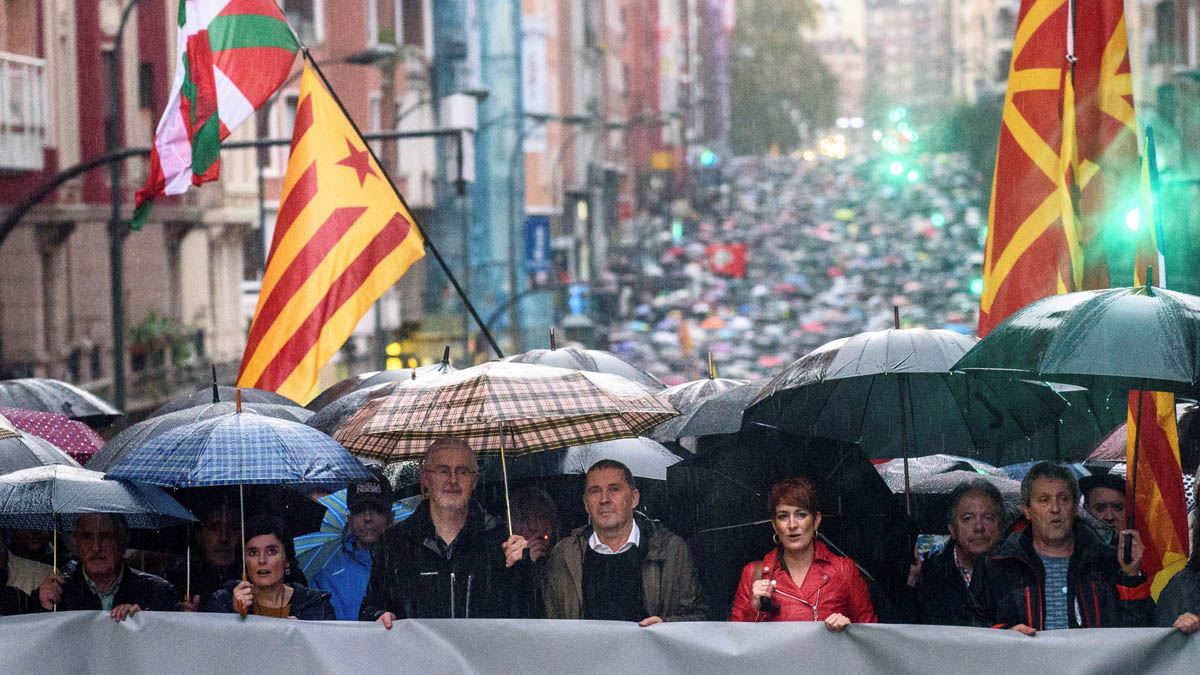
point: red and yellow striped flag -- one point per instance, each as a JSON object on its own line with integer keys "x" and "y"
{"x": 1159, "y": 507}
{"x": 1064, "y": 163}
{"x": 343, "y": 236}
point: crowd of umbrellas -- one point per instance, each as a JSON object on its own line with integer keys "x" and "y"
{"x": 885, "y": 421}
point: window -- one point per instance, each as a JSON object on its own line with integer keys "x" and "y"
{"x": 414, "y": 22}
{"x": 307, "y": 18}
{"x": 146, "y": 86}
{"x": 375, "y": 120}
{"x": 1164, "y": 32}
{"x": 381, "y": 21}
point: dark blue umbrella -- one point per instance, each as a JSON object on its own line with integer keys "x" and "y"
{"x": 240, "y": 448}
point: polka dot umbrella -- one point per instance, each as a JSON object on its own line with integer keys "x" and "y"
{"x": 75, "y": 438}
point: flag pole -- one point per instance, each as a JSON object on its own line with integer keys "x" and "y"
{"x": 428, "y": 242}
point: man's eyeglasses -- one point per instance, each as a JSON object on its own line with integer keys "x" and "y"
{"x": 444, "y": 472}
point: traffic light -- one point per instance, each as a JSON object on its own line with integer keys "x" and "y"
{"x": 913, "y": 176}
{"x": 977, "y": 286}
{"x": 896, "y": 168}
{"x": 897, "y": 114}
{"x": 676, "y": 230}
{"x": 708, "y": 158}
{"x": 937, "y": 219}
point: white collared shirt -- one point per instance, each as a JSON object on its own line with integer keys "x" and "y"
{"x": 635, "y": 539}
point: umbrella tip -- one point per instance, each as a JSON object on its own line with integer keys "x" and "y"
{"x": 446, "y": 356}
{"x": 712, "y": 368}
{"x": 239, "y": 399}
{"x": 896, "y": 316}
{"x": 553, "y": 342}
{"x": 414, "y": 372}
{"x": 216, "y": 393}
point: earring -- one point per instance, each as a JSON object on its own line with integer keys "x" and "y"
{"x": 287, "y": 571}
{"x": 775, "y": 537}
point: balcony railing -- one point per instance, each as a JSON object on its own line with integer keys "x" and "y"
{"x": 22, "y": 112}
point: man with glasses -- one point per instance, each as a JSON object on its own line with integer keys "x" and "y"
{"x": 450, "y": 558}
{"x": 943, "y": 583}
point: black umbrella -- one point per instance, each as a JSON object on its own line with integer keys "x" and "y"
{"x": 892, "y": 392}
{"x": 375, "y": 378}
{"x": 721, "y": 414}
{"x": 222, "y": 393}
{"x": 56, "y": 396}
{"x": 27, "y": 451}
{"x": 334, "y": 414}
{"x": 687, "y": 399}
{"x": 590, "y": 360}
{"x": 134, "y": 436}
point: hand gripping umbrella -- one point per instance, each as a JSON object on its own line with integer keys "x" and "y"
{"x": 240, "y": 448}
{"x": 52, "y": 497}
{"x": 1136, "y": 338}
{"x": 503, "y": 408}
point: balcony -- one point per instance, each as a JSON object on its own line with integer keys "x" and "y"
{"x": 22, "y": 112}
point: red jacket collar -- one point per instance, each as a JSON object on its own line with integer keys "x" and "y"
{"x": 821, "y": 555}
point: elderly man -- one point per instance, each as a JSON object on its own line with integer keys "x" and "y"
{"x": 1104, "y": 501}
{"x": 345, "y": 576}
{"x": 101, "y": 579}
{"x": 622, "y": 567}
{"x": 1056, "y": 573}
{"x": 943, "y": 583}
{"x": 450, "y": 558}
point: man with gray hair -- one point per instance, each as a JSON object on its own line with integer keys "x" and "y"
{"x": 450, "y": 558}
{"x": 101, "y": 579}
{"x": 944, "y": 582}
{"x": 1056, "y": 573}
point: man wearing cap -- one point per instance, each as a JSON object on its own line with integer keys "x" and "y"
{"x": 1104, "y": 501}
{"x": 345, "y": 576}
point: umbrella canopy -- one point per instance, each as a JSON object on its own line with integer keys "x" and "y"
{"x": 644, "y": 457}
{"x": 56, "y": 396}
{"x": 7, "y": 430}
{"x": 240, "y": 448}
{"x": 1112, "y": 448}
{"x": 314, "y": 550}
{"x": 892, "y": 392}
{"x": 374, "y": 379}
{"x": 26, "y": 451}
{"x": 206, "y": 396}
{"x": 74, "y": 438}
{"x": 335, "y": 413}
{"x": 132, "y": 437}
{"x": 592, "y": 361}
{"x": 721, "y": 414}
{"x": 687, "y": 398}
{"x": 920, "y": 468}
{"x": 1131, "y": 338}
{"x": 52, "y": 497}
{"x": 931, "y": 497}
{"x": 516, "y": 407}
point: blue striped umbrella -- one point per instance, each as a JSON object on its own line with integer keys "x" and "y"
{"x": 314, "y": 550}
{"x": 240, "y": 448}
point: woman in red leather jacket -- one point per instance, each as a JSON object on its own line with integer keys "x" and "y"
{"x": 801, "y": 580}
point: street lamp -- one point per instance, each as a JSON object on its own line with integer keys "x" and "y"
{"x": 113, "y": 122}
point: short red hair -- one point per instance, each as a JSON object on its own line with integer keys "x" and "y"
{"x": 798, "y": 492}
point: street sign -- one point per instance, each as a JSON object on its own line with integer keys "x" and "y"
{"x": 537, "y": 243}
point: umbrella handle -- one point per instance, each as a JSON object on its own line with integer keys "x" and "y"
{"x": 242, "y": 610}
{"x": 504, "y": 473}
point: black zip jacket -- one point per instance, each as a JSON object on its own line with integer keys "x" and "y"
{"x": 942, "y": 597}
{"x": 413, "y": 579}
{"x": 1012, "y": 589}
{"x": 137, "y": 588}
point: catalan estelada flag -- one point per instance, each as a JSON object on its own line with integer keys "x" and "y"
{"x": 342, "y": 237}
{"x": 1064, "y": 166}
{"x": 1159, "y": 506}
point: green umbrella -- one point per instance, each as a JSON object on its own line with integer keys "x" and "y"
{"x": 1117, "y": 338}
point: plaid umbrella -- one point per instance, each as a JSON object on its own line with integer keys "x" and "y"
{"x": 503, "y": 407}
{"x": 74, "y": 438}
{"x": 239, "y": 448}
{"x": 314, "y": 550}
{"x": 56, "y": 396}
{"x": 120, "y": 445}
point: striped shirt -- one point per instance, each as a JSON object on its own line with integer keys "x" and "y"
{"x": 1055, "y": 592}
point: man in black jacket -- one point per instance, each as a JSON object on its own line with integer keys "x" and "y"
{"x": 450, "y": 558}
{"x": 1056, "y": 573}
{"x": 943, "y": 583}
{"x": 101, "y": 579}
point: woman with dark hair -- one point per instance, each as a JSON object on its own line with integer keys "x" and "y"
{"x": 1178, "y": 605}
{"x": 270, "y": 558}
{"x": 801, "y": 580}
